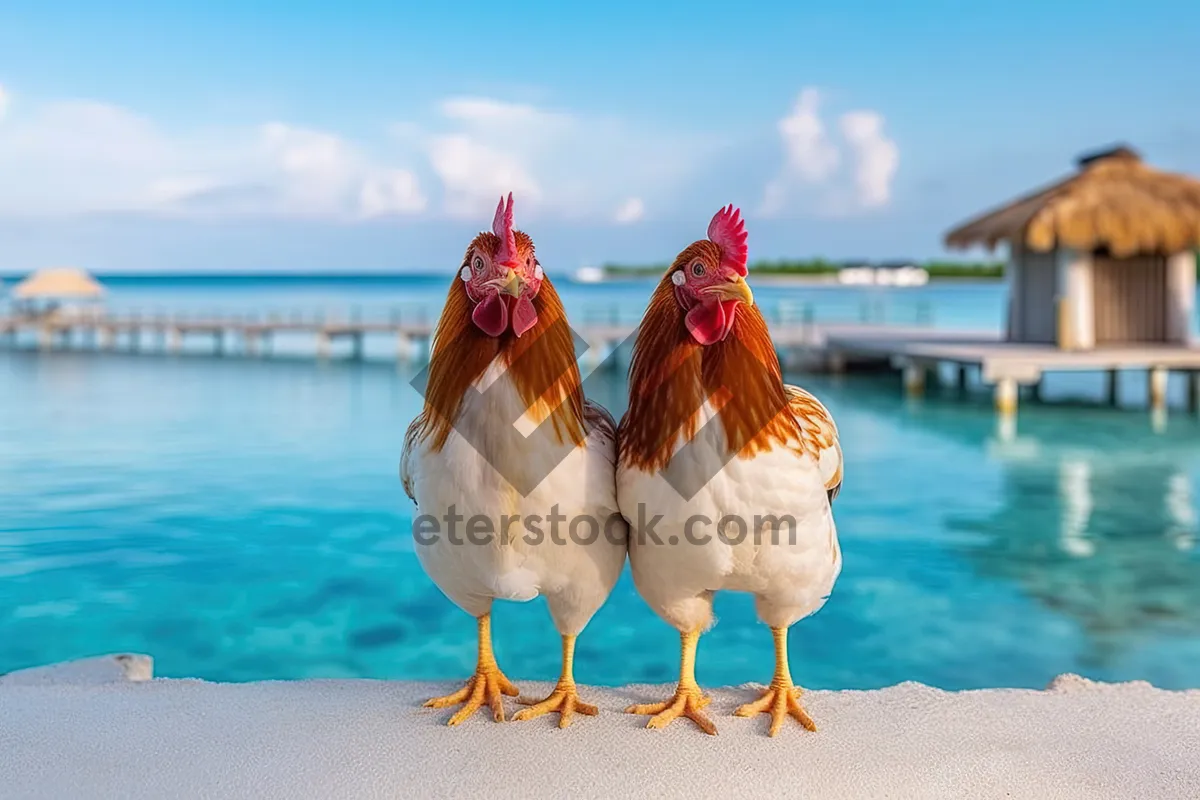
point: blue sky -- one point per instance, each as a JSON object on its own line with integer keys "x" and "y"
{"x": 302, "y": 135}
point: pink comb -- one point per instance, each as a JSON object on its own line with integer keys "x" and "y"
{"x": 728, "y": 232}
{"x": 502, "y": 226}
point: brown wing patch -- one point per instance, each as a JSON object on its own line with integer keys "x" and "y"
{"x": 818, "y": 436}
{"x": 599, "y": 422}
{"x": 412, "y": 439}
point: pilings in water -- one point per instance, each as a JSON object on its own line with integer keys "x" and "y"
{"x": 915, "y": 378}
{"x": 1111, "y": 387}
{"x": 1005, "y": 396}
{"x": 1156, "y": 388}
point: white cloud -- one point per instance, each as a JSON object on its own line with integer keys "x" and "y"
{"x": 5, "y": 100}
{"x": 813, "y": 161}
{"x": 83, "y": 156}
{"x": 79, "y": 156}
{"x": 475, "y": 174}
{"x": 630, "y": 211}
{"x": 810, "y": 154}
{"x": 394, "y": 191}
{"x": 876, "y": 156}
{"x": 568, "y": 164}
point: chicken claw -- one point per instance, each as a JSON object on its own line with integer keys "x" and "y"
{"x": 782, "y": 697}
{"x": 487, "y": 685}
{"x": 779, "y": 702}
{"x": 688, "y": 702}
{"x": 564, "y": 699}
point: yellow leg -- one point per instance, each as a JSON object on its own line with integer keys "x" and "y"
{"x": 782, "y": 697}
{"x": 564, "y": 699}
{"x": 487, "y": 685}
{"x": 688, "y": 701}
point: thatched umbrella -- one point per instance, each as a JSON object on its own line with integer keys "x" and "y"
{"x": 58, "y": 283}
{"x": 43, "y": 292}
{"x": 1114, "y": 202}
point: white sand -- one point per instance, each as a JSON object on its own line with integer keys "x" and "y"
{"x": 111, "y": 737}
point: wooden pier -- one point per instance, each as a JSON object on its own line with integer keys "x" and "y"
{"x": 1005, "y": 366}
{"x": 166, "y": 334}
{"x": 916, "y": 352}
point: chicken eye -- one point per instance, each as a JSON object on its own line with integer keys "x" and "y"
{"x": 698, "y": 268}
{"x": 478, "y": 264}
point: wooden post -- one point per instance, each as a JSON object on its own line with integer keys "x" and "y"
{"x": 1157, "y": 388}
{"x": 961, "y": 377}
{"x": 1111, "y": 386}
{"x": 403, "y": 348}
{"x": 1193, "y": 392}
{"x": 914, "y": 379}
{"x": 1006, "y": 396}
{"x": 836, "y": 362}
{"x": 323, "y": 345}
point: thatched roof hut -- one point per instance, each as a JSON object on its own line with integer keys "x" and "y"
{"x": 1104, "y": 256}
{"x": 1115, "y": 202}
{"x": 58, "y": 283}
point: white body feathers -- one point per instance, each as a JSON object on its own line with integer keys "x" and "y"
{"x": 576, "y": 573}
{"x": 789, "y": 569}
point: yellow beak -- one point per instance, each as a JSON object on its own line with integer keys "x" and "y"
{"x": 511, "y": 284}
{"x": 735, "y": 289}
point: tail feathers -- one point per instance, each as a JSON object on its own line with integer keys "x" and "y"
{"x": 519, "y": 584}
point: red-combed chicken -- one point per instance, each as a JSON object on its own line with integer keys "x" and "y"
{"x": 507, "y": 439}
{"x": 718, "y": 446}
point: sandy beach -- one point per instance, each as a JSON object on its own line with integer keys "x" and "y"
{"x": 103, "y": 729}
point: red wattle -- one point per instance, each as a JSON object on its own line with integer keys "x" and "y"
{"x": 711, "y": 322}
{"x": 491, "y": 315}
{"x": 524, "y": 315}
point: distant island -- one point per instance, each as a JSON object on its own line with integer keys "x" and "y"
{"x": 989, "y": 270}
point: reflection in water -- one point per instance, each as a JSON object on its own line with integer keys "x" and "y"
{"x": 1105, "y": 537}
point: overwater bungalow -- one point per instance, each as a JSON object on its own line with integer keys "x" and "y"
{"x": 1101, "y": 275}
{"x": 1105, "y": 257}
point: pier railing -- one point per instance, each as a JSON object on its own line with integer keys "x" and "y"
{"x": 411, "y": 326}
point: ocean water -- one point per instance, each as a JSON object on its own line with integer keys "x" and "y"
{"x": 242, "y": 519}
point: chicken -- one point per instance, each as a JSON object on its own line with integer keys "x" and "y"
{"x": 729, "y": 473}
{"x": 507, "y": 442}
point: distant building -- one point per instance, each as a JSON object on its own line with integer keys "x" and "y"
{"x": 888, "y": 273}
{"x": 1103, "y": 257}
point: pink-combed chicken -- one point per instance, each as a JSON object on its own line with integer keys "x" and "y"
{"x": 717, "y": 445}
{"x": 507, "y": 437}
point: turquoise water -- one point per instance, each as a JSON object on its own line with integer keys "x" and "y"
{"x": 243, "y": 520}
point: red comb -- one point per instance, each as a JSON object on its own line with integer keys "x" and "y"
{"x": 728, "y": 232}
{"x": 502, "y": 226}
